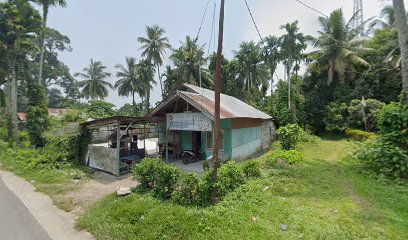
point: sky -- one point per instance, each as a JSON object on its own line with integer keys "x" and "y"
{"x": 107, "y": 30}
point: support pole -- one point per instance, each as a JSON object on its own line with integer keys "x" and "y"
{"x": 217, "y": 120}
{"x": 118, "y": 148}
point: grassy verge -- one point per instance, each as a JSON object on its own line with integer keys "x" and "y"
{"x": 324, "y": 197}
{"x": 49, "y": 180}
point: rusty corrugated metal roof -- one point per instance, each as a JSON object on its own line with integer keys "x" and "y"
{"x": 203, "y": 100}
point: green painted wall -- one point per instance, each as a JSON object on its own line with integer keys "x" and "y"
{"x": 226, "y": 125}
{"x": 186, "y": 140}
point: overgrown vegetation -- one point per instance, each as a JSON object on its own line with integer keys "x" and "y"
{"x": 168, "y": 182}
{"x": 325, "y": 196}
{"x": 388, "y": 154}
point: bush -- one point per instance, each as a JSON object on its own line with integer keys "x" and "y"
{"x": 384, "y": 158}
{"x": 335, "y": 118}
{"x": 388, "y": 155}
{"x": 188, "y": 189}
{"x": 166, "y": 180}
{"x": 289, "y": 156}
{"x": 289, "y": 135}
{"x": 355, "y": 115}
{"x": 251, "y": 168}
{"x": 158, "y": 176}
{"x": 37, "y": 124}
{"x": 393, "y": 124}
{"x": 229, "y": 178}
{"x": 74, "y": 115}
{"x": 145, "y": 172}
{"x": 359, "y": 135}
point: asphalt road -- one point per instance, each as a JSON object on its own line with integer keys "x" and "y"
{"x": 16, "y": 222}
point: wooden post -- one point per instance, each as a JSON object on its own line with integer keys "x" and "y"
{"x": 167, "y": 141}
{"x": 217, "y": 120}
{"x": 118, "y": 148}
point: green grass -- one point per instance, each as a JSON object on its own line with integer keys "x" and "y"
{"x": 53, "y": 182}
{"x": 323, "y": 198}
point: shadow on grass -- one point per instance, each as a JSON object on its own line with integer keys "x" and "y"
{"x": 332, "y": 136}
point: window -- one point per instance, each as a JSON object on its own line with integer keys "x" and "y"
{"x": 210, "y": 140}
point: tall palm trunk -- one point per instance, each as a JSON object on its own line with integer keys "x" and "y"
{"x": 13, "y": 102}
{"x": 147, "y": 101}
{"x": 401, "y": 23}
{"x": 160, "y": 79}
{"x": 42, "y": 49}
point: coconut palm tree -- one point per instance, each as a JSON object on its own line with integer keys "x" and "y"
{"x": 338, "y": 45}
{"x": 94, "y": 85}
{"x": 146, "y": 76}
{"x": 271, "y": 55}
{"x": 387, "y": 18}
{"x": 401, "y": 24}
{"x": 189, "y": 62}
{"x": 154, "y": 46}
{"x": 46, "y": 4}
{"x": 253, "y": 73}
{"x": 128, "y": 82}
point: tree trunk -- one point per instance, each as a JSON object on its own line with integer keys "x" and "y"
{"x": 217, "y": 120}
{"x": 147, "y": 101}
{"x": 160, "y": 79}
{"x": 401, "y": 23}
{"x": 133, "y": 98}
{"x": 13, "y": 102}
{"x": 42, "y": 38}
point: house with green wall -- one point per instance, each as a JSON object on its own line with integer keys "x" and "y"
{"x": 188, "y": 117}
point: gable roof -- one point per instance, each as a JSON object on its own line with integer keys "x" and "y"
{"x": 204, "y": 100}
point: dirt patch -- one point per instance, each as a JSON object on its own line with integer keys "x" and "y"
{"x": 100, "y": 185}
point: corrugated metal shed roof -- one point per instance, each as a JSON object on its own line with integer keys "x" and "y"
{"x": 203, "y": 100}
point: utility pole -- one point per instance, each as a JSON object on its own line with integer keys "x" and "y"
{"x": 217, "y": 120}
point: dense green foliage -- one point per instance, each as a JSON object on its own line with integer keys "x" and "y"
{"x": 98, "y": 109}
{"x": 167, "y": 181}
{"x": 37, "y": 116}
{"x": 325, "y": 197}
{"x": 388, "y": 154}
{"x": 289, "y": 136}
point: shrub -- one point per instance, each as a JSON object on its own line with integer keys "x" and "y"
{"x": 335, "y": 118}
{"x": 309, "y": 138}
{"x": 229, "y": 177}
{"x": 251, "y": 168}
{"x": 355, "y": 115}
{"x": 188, "y": 189}
{"x": 166, "y": 180}
{"x": 145, "y": 172}
{"x": 393, "y": 124}
{"x": 37, "y": 124}
{"x": 74, "y": 115}
{"x": 359, "y": 135}
{"x": 384, "y": 158}
{"x": 154, "y": 174}
{"x": 289, "y": 135}
{"x": 205, "y": 187}
{"x": 289, "y": 156}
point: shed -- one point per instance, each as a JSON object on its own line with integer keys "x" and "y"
{"x": 119, "y": 141}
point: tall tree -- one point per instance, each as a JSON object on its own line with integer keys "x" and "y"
{"x": 19, "y": 22}
{"x": 401, "y": 24}
{"x": 46, "y": 4}
{"x": 146, "y": 76}
{"x": 154, "y": 46}
{"x": 129, "y": 83}
{"x": 387, "y": 18}
{"x": 189, "y": 62}
{"x": 94, "y": 86}
{"x": 338, "y": 45}
{"x": 292, "y": 44}
{"x": 271, "y": 56}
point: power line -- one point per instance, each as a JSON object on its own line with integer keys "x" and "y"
{"x": 212, "y": 35}
{"x": 312, "y": 8}
{"x": 253, "y": 20}
{"x": 202, "y": 20}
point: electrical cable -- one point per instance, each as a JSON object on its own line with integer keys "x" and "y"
{"x": 312, "y": 8}
{"x": 202, "y": 20}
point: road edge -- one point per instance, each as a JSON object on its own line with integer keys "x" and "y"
{"x": 58, "y": 224}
